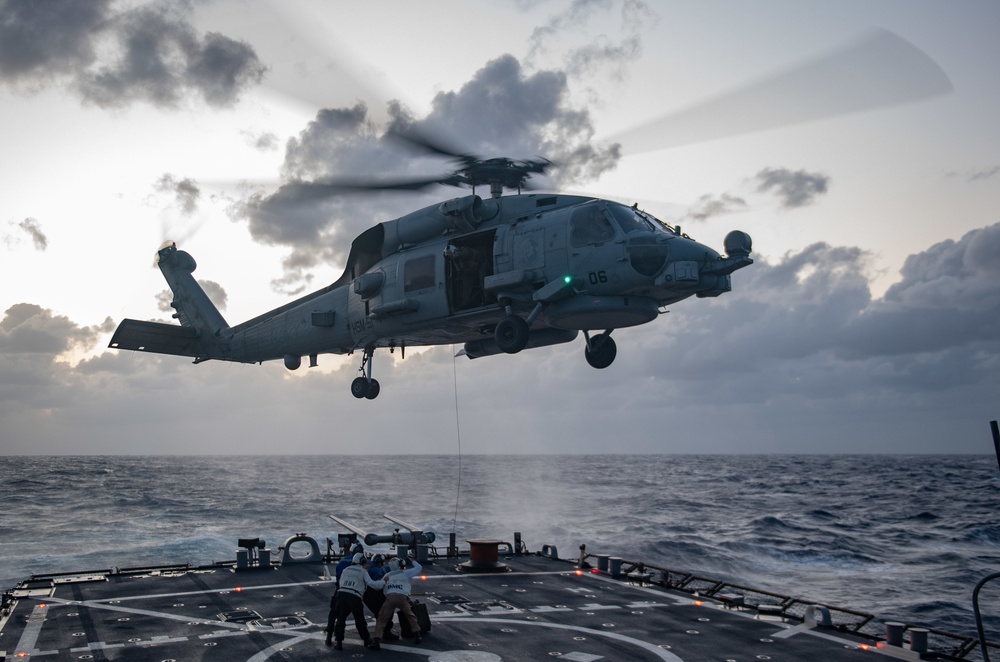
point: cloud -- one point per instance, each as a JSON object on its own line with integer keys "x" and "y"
{"x": 794, "y": 189}
{"x": 599, "y": 51}
{"x": 980, "y": 174}
{"x": 265, "y": 141}
{"x": 186, "y": 192}
{"x": 33, "y": 229}
{"x": 708, "y": 206}
{"x": 216, "y": 293}
{"x": 799, "y": 357}
{"x": 502, "y": 111}
{"x": 113, "y": 58}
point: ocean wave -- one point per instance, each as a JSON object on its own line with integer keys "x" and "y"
{"x": 892, "y": 535}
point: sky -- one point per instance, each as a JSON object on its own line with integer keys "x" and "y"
{"x": 869, "y": 181}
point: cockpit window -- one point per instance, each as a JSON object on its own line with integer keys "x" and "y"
{"x": 628, "y": 219}
{"x": 589, "y": 225}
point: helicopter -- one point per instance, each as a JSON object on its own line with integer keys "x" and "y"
{"x": 499, "y": 275}
{"x": 520, "y": 270}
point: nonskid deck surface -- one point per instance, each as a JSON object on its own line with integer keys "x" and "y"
{"x": 542, "y": 608}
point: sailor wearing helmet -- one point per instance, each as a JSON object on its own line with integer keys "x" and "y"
{"x": 397, "y": 596}
{"x": 353, "y": 581}
{"x": 374, "y": 599}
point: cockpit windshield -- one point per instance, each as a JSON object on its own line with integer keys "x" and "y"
{"x": 633, "y": 219}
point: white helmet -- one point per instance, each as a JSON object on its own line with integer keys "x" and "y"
{"x": 359, "y": 559}
{"x": 394, "y": 565}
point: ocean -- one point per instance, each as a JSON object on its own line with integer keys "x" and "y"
{"x": 902, "y": 537}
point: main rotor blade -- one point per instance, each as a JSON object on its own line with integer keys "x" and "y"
{"x": 420, "y": 140}
{"x": 318, "y": 190}
{"x": 880, "y": 70}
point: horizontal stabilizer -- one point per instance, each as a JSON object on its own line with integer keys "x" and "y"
{"x": 156, "y": 337}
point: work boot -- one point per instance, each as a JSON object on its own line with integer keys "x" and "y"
{"x": 338, "y": 645}
{"x": 417, "y": 639}
{"x": 374, "y": 644}
{"x": 329, "y": 641}
{"x": 389, "y": 635}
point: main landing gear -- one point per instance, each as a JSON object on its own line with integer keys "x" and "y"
{"x": 365, "y": 386}
{"x": 601, "y": 350}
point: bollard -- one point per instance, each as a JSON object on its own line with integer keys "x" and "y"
{"x": 615, "y": 566}
{"x": 894, "y": 633}
{"x": 602, "y": 562}
{"x": 265, "y": 558}
{"x": 242, "y": 559}
{"x": 517, "y": 543}
{"x": 918, "y": 640}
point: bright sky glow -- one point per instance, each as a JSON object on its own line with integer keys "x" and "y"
{"x": 847, "y": 352}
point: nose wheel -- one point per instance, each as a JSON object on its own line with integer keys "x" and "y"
{"x": 364, "y": 386}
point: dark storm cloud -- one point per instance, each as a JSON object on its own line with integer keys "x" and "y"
{"x": 27, "y": 328}
{"x": 807, "y": 329}
{"x": 947, "y": 300}
{"x": 42, "y": 40}
{"x": 185, "y": 191}
{"x": 113, "y": 57}
{"x": 502, "y": 111}
{"x": 794, "y": 188}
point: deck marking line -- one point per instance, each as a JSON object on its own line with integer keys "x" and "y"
{"x": 95, "y": 646}
{"x": 789, "y": 632}
{"x": 261, "y": 656}
{"x": 284, "y": 632}
{"x": 33, "y": 628}
{"x": 546, "y": 609}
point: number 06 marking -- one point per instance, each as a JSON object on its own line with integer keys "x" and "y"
{"x": 596, "y": 277}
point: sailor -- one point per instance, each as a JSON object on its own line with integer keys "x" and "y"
{"x": 353, "y": 581}
{"x": 374, "y": 599}
{"x": 348, "y": 559}
{"x": 397, "y": 596}
{"x": 343, "y": 563}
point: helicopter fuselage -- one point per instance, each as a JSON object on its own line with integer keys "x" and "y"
{"x": 496, "y": 275}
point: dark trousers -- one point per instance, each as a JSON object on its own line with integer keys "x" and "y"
{"x": 347, "y": 604}
{"x": 373, "y": 600}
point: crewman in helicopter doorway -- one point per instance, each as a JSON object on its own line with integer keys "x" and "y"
{"x": 349, "y": 600}
{"x": 397, "y": 596}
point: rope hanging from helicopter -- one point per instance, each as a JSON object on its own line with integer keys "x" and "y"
{"x": 458, "y": 436}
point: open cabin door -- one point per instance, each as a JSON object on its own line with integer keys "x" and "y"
{"x": 468, "y": 261}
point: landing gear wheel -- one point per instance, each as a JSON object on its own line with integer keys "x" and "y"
{"x": 359, "y": 387}
{"x": 373, "y": 390}
{"x": 511, "y": 334}
{"x": 603, "y": 353}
